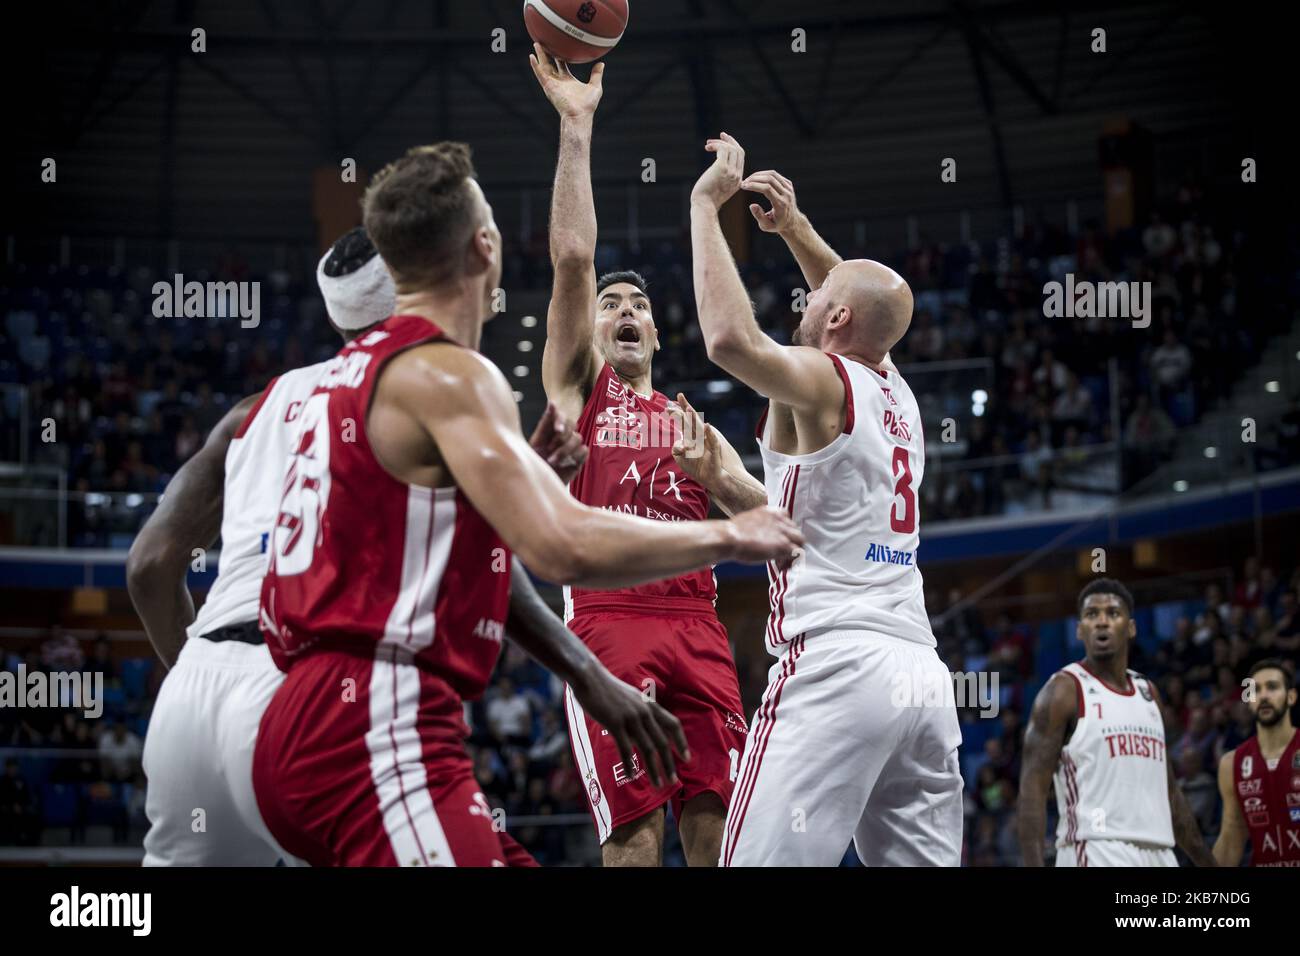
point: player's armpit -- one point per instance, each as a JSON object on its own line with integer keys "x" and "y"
{"x": 1049, "y": 723}
{"x": 803, "y": 378}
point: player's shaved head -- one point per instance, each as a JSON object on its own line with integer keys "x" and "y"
{"x": 863, "y": 308}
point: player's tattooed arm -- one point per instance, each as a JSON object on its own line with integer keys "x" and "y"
{"x": 1050, "y": 723}
{"x": 800, "y": 377}
{"x": 815, "y": 256}
{"x": 569, "y": 362}
{"x": 1233, "y": 835}
{"x": 634, "y": 722}
{"x": 187, "y": 518}
{"x": 462, "y": 402}
{"x": 704, "y": 453}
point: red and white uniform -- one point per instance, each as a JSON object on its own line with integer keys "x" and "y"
{"x": 199, "y": 748}
{"x": 663, "y": 636}
{"x": 385, "y": 603}
{"x": 1269, "y": 794}
{"x": 847, "y": 744}
{"x": 1112, "y": 784}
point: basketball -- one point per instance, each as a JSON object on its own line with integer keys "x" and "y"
{"x": 577, "y": 31}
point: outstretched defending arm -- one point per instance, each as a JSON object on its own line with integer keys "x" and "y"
{"x": 1050, "y": 722}
{"x": 187, "y": 517}
{"x": 569, "y": 362}
{"x": 463, "y": 403}
{"x": 802, "y": 378}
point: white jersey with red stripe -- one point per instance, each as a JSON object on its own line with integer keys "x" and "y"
{"x": 856, "y": 503}
{"x": 363, "y": 562}
{"x": 255, "y": 465}
{"x": 1112, "y": 782}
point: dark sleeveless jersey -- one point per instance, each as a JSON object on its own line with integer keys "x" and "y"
{"x": 1270, "y": 802}
{"x": 630, "y": 468}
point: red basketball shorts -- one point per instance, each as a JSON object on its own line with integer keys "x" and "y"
{"x": 361, "y": 761}
{"x": 684, "y": 660}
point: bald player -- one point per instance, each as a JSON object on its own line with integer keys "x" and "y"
{"x": 856, "y": 737}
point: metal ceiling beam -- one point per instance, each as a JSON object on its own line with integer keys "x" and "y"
{"x": 773, "y": 77}
{"x": 976, "y": 47}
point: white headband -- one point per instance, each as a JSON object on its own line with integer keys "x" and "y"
{"x": 359, "y": 299}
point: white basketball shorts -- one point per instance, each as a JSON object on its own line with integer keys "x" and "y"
{"x": 836, "y": 754}
{"x": 198, "y": 758}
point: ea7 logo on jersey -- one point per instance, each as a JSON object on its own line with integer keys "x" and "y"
{"x": 489, "y": 629}
{"x": 1247, "y": 787}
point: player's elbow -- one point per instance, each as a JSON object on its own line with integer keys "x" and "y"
{"x": 560, "y": 558}
{"x": 571, "y": 253}
{"x": 147, "y": 563}
{"x": 724, "y": 346}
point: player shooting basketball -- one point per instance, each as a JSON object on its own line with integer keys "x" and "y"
{"x": 596, "y": 368}
{"x": 830, "y": 749}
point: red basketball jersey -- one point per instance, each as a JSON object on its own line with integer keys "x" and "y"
{"x": 359, "y": 559}
{"x": 1270, "y": 802}
{"x": 630, "y": 468}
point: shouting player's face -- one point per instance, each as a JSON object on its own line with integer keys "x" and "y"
{"x": 1105, "y": 626}
{"x": 1272, "y": 699}
{"x": 625, "y": 329}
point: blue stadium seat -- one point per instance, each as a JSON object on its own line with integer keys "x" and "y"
{"x": 135, "y": 677}
{"x": 59, "y": 804}
{"x": 1165, "y": 618}
{"x": 35, "y": 770}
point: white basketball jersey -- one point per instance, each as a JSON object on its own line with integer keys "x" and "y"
{"x": 255, "y": 467}
{"x": 856, "y": 503}
{"x": 1112, "y": 782}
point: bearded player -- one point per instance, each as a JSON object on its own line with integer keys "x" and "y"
{"x": 1097, "y": 735}
{"x": 1259, "y": 782}
{"x": 596, "y": 368}
{"x": 386, "y": 596}
{"x": 833, "y": 756}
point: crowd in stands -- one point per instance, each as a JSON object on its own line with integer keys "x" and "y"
{"x": 68, "y": 767}
{"x": 132, "y": 396}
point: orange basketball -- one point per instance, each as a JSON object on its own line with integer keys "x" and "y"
{"x": 577, "y": 31}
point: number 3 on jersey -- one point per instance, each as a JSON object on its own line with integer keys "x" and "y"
{"x": 306, "y": 491}
{"x": 902, "y": 516}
